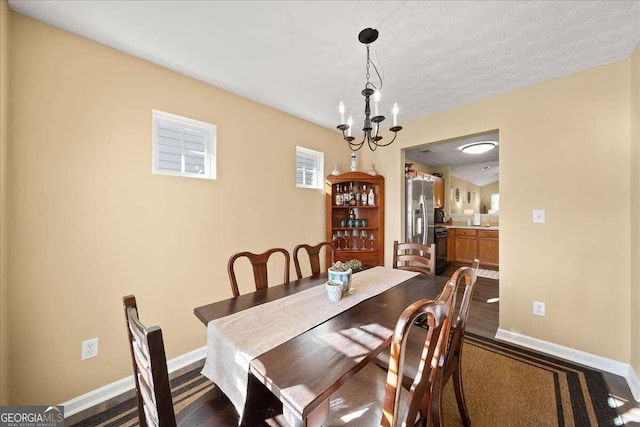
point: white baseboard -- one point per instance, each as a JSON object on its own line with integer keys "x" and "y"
{"x": 598, "y": 362}
{"x": 109, "y": 391}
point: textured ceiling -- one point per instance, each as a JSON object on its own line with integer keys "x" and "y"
{"x": 303, "y": 57}
{"x": 479, "y": 169}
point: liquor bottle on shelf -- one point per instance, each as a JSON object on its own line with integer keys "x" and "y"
{"x": 371, "y": 200}
{"x": 345, "y": 196}
{"x": 363, "y": 196}
{"x": 338, "y": 196}
{"x": 352, "y": 196}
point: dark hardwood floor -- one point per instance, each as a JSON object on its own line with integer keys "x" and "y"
{"x": 483, "y": 320}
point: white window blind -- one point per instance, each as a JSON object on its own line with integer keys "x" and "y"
{"x": 183, "y": 146}
{"x": 309, "y": 168}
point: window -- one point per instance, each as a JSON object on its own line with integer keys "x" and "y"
{"x": 309, "y": 168}
{"x": 495, "y": 202}
{"x": 183, "y": 146}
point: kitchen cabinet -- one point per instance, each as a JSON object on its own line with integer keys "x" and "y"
{"x": 488, "y": 247}
{"x": 465, "y": 245}
{"x": 355, "y": 227}
{"x": 438, "y": 192}
{"x": 468, "y": 244}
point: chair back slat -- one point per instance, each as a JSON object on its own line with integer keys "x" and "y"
{"x": 259, "y": 266}
{"x": 414, "y": 257}
{"x": 143, "y": 365}
{"x": 314, "y": 257}
{"x": 151, "y": 421}
{"x": 146, "y": 391}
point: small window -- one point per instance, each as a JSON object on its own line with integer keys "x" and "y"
{"x": 183, "y": 146}
{"x": 495, "y": 202}
{"x": 309, "y": 168}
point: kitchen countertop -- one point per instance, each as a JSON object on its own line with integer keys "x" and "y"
{"x": 469, "y": 227}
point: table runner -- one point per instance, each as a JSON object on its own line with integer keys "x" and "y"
{"x": 234, "y": 341}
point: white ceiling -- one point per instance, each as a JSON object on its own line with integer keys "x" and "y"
{"x": 303, "y": 57}
{"x": 479, "y": 169}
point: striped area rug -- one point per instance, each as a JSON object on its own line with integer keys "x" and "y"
{"x": 489, "y": 274}
{"x": 507, "y": 385}
{"x": 504, "y": 386}
{"x": 184, "y": 389}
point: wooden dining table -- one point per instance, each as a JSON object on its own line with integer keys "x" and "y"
{"x": 306, "y": 370}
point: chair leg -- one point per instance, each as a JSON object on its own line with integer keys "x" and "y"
{"x": 457, "y": 386}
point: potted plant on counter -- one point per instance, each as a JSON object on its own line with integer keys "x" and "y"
{"x": 341, "y": 272}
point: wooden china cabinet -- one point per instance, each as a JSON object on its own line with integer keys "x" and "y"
{"x": 356, "y": 226}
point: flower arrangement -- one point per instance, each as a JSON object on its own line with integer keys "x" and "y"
{"x": 353, "y": 264}
{"x": 341, "y": 272}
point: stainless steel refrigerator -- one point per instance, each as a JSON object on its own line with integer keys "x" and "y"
{"x": 419, "y": 220}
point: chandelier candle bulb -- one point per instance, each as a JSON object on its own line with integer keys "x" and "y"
{"x": 395, "y": 114}
{"x": 349, "y": 123}
{"x": 376, "y": 99}
{"x": 341, "y": 109}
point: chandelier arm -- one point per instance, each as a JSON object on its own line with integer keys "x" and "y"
{"x": 353, "y": 145}
{"x": 395, "y": 134}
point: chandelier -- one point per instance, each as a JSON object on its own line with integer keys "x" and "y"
{"x": 371, "y": 126}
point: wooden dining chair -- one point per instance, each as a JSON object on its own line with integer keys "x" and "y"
{"x": 466, "y": 277}
{"x": 373, "y": 397}
{"x": 153, "y": 391}
{"x": 414, "y": 257}
{"x": 464, "y": 280}
{"x": 314, "y": 257}
{"x": 259, "y": 265}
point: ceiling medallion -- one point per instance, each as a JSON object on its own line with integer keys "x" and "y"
{"x": 371, "y": 126}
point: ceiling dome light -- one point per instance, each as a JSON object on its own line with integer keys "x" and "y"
{"x": 478, "y": 147}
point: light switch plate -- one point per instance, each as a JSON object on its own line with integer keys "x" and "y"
{"x": 538, "y": 216}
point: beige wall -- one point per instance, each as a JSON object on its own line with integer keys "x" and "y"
{"x": 485, "y": 194}
{"x": 90, "y": 223}
{"x": 4, "y": 118}
{"x": 578, "y": 268}
{"x": 635, "y": 210}
{"x": 464, "y": 187}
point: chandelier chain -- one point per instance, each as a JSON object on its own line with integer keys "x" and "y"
{"x": 368, "y": 62}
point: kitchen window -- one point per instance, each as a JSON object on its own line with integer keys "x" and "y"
{"x": 309, "y": 168}
{"x": 183, "y": 146}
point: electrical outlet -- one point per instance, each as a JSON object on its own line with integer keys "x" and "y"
{"x": 538, "y": 308}
{"x": 89, "y": 349}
